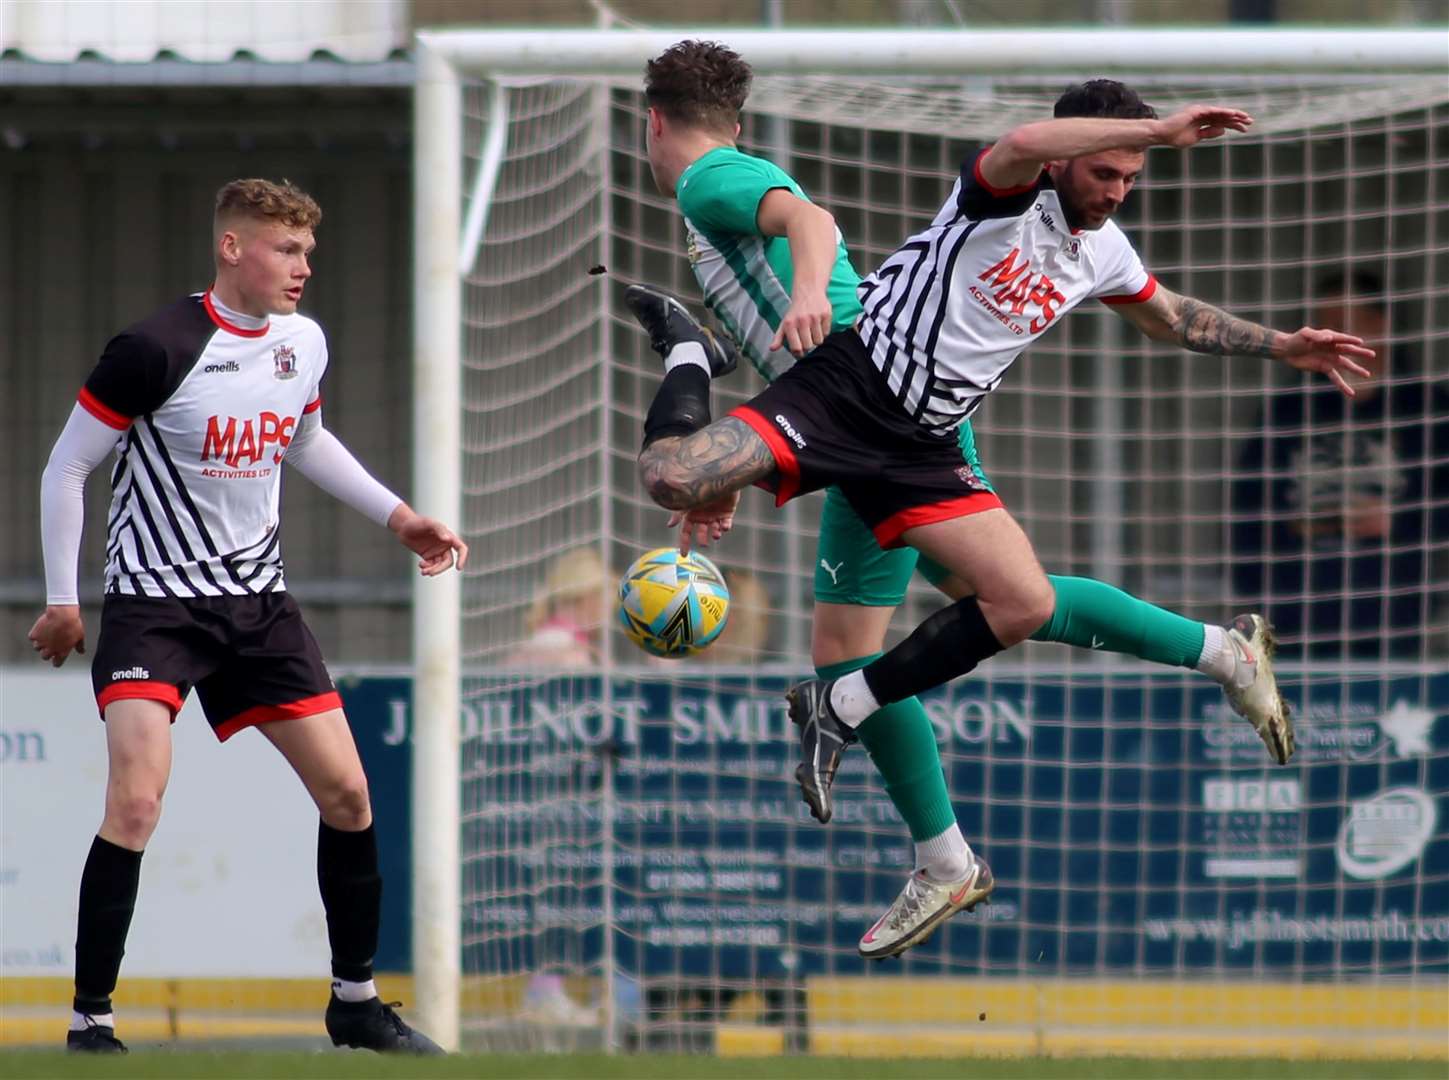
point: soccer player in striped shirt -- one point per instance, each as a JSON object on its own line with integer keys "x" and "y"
{"x": 877, "y": 415}
{"x": 202, "y": 404}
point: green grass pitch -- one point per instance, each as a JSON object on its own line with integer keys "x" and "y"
{"x": 163, "y": 1064}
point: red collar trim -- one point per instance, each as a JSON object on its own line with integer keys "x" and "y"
{"x": 231, "y": 328}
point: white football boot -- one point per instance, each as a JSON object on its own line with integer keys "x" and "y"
{"x": 922, "y": 906}
{"x": 1253, "y": 689}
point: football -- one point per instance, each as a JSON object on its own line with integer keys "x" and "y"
{"x": 673, "y": 605}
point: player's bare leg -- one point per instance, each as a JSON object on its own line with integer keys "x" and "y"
{"x": 684, "y": 472}
{"x": 841, "y": 632}
{"x": 138, "y": 748}
{"x": 324, "y": 756}
{"x": 321, "y": 750}
{"x": 989, "y": 555}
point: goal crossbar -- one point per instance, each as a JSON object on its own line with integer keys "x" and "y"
{"x": 952, "y": 52}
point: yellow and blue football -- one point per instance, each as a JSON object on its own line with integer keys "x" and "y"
{"x": 673, "y": 605}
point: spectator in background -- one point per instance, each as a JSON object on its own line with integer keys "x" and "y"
{"x": 1342, "y": 504}
{"x": 745, "y": 638}
{"x": 565, "y": 625}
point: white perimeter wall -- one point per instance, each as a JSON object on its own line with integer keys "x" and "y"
{"x": 228, "y": 883}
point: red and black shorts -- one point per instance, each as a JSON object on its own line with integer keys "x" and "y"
{"x": 251, "y": 658}
{"x": 832, "y": 419}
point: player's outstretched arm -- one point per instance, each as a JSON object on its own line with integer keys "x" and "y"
{"x": 1021, "y": 154}
{"x": 437, "y": 546}
{"x": 1200, "y": 327}
{"x": 320, "y": 456}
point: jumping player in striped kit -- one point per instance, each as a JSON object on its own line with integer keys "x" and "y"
{"x": 203, "y": 403}
{"x": 879, "y": 408}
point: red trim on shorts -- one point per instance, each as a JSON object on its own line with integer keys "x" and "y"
{"x": 997, "y": 192}
{"x": 888, "y": 533}
{"x": 313, "y": 405}
{"x": 141, "y": 690}
{"x": 783, "y": 452}
{"x": 1142, "y": 295}
{"x": 230, "y": 328}
{"x": 265, "y": 714}
{"x": 101, "y": 411}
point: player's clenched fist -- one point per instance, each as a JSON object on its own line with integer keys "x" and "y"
{"x": 57, "y": 633}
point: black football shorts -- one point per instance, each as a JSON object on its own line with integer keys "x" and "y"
{"x": 251, "y": 658}
{"x": 832, "y": 419}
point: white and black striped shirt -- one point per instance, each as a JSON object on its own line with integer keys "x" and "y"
{"x": 953, "y": 307}
{"x": 206, "y": 410}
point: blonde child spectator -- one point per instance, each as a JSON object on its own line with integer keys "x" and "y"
{"x": 565, "y": 624}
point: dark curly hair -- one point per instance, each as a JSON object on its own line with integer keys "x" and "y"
{"x": 699, "y": 83}
{"x": 1103, "y": 97}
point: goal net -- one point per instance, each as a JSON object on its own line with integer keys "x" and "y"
{"x": 638, "y": 869}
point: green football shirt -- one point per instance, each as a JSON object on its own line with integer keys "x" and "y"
{"x": 746, "y": 277}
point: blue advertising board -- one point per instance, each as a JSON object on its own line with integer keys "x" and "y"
{"x": 1134, "y": 824}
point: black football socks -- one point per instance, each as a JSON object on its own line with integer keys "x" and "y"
{"x": 107, "y": 901}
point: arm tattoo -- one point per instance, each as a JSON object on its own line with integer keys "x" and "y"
{"x": 683, "y": 473}
{"x": 1206, "y": 329}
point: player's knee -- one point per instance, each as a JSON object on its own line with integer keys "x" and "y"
{"x": 1032, "y": 609}
{"x": 131, "y": 816}
{"x": 1016, "y": 618}
{"x": 347, "y": 805}
{"x": 1040, "y": 608}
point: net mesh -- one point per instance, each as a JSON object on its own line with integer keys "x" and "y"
{"x": 639, "y": 869}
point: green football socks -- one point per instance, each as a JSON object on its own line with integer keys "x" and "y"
{"x": 1094, "y": 615}
{"x": 902, "y": 743}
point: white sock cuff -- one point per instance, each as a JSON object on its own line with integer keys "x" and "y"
{"x": 354, "y": 991}
{"x": 852, "y": 700}
{"x": 686, "y": 352}
{"x": 78, "y": 1020}
{"x": 946, "y": 856}
{"x": 1216, "y": 658}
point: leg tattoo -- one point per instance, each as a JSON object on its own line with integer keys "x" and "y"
{"x": 697, "y": 469}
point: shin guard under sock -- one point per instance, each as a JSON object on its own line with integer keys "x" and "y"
{"x": 948, "y": 644}
{"x": 681, "y": 405}
{"x": 107, "y": 901}
{"x": 352, "y": 898}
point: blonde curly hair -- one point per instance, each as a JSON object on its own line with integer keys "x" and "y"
{"x": 265, "y": 200}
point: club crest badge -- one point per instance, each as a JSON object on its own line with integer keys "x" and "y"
{"x": 285, "y": 360}
{"x": 967, "y": 476}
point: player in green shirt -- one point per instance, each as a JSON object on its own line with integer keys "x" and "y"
{"x": 775, "y": 271}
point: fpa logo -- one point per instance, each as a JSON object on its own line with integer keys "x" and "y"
{"x": 1252, "y": 796}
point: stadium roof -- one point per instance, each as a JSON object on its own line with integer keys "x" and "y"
{"x": 196, "y": 42}
{"x": 242, "y": 70}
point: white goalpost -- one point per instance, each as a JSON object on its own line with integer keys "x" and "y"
{"x": 576, "y": 868}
